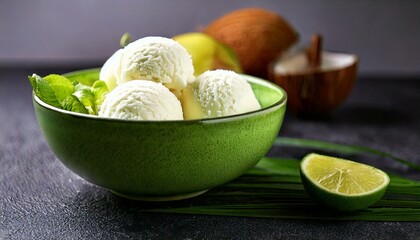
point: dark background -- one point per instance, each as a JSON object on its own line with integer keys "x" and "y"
{"x": 384, "y": 34}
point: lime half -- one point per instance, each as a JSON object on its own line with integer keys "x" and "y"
{"x": 342, "y": 184}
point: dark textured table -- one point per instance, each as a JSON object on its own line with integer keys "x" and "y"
{"x": 41, "y": 199}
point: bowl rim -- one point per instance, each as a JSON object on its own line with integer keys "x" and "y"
{"x": 354, "y": 63}
{"x": 282, "y": 101}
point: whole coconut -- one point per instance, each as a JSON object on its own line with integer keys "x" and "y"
{"x": 256, "y": 35}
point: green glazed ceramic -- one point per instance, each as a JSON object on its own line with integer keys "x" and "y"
{"x": 162, "y": 160}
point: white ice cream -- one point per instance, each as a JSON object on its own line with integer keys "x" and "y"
{"x": 157, "y": 59}
{"x": 141, "y": 100}
{"x": 111, "y": 69}
{"x": 218, "y": 93}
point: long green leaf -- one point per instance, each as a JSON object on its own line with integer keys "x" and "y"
{"x": 273, "y": 190}
{"x": 288, "y": 167}
{"x": 382, "y": 214}
{"x": 339, "y": 148}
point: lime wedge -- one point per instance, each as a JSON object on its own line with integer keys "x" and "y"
{"x": 342, "y": 184}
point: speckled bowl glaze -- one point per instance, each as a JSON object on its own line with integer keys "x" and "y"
{"x": 162, "y": 160}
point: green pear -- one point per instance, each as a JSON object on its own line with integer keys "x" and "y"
{"x": 207, "y": 53}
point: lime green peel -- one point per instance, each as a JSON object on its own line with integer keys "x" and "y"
{"x": 342, "y": 184}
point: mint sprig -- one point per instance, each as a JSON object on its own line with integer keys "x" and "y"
{"x": 60, "y": 92}
{"x": 72, "y": 103}
{"x": 91, "y": 97}
{"x": 43, "y": 90}
{"x": 61, "y": 86}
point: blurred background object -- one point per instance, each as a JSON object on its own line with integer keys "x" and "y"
{"x": 384, "y": 34}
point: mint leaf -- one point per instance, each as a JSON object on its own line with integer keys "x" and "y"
{"x": 125, "y": 39}
{"x": 100, "y": 90}
{"x": 43, "y": 90}
{"x": 71, "y": 103}
{"x": 61, "y": 86}
{"x": 85, "y": 77}
{"x": 86, "y": 97}
{"x": 91, "y": 97}
{"x": 69, "y": 94}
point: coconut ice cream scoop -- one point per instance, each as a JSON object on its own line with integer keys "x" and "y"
{"x": 218, "y": 93}
{"x": 316, "y": 81}
{"x": 141, "y": 100}
{"x": 111, "y": 69}
{"x": 157, "y": 59}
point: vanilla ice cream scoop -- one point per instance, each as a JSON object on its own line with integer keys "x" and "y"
{"x": 218, "y": 93}
{"x": 111, "y": 70}
{"x": 157, "y": 59}
{"x": 141, "y": 100}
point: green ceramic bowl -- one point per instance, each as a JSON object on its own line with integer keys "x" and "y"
{"x": 162, "y": 160}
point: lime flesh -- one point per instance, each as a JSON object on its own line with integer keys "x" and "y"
{"x": 342, "y": 184}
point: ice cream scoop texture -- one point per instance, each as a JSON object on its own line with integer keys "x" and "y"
{"x": 150, "y": 76}
{"x": 218, "y": 93}
{"x": 157, "y": 59}
{"x": 141, "y": 100}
